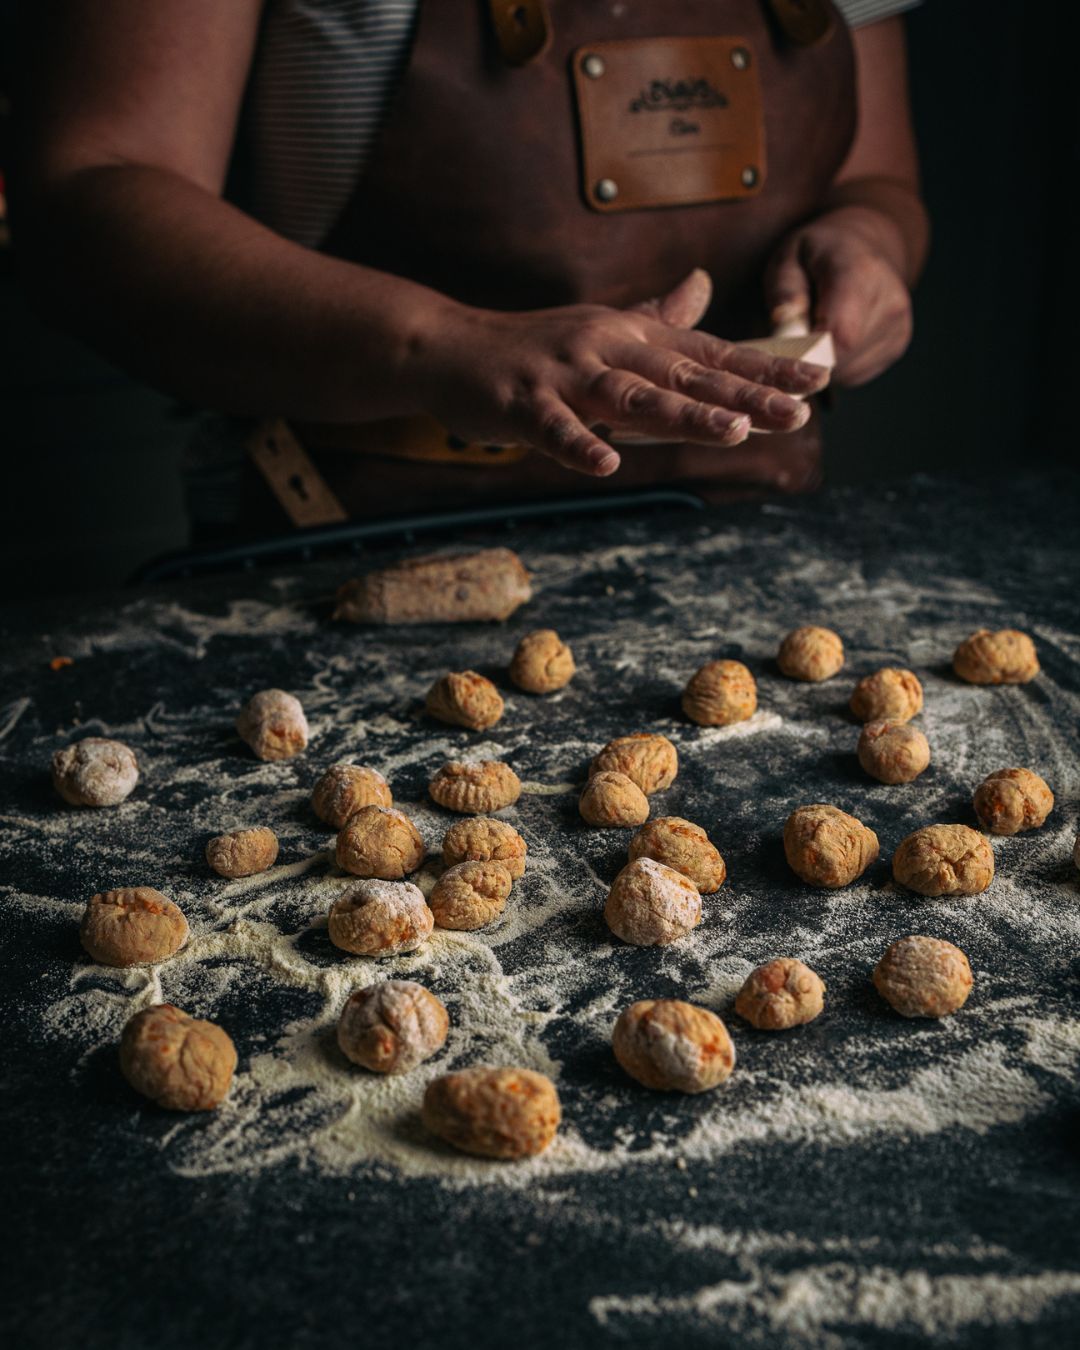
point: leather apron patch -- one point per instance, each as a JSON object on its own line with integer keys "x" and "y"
{"x": 669, "y": 122}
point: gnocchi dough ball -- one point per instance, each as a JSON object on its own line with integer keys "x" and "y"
{"x": 379, "y": 841}
{"x": 347, "y": 788}
{"x": 825, "y": 846}
{"x": 1012, "y": 800}
{"x": 649, "y": 761}
{"x": 470, "y": 894}
{"x": 893, "y": 752}
{"x": 1005, "y": 657}
{"x": 180, "y": 1062}
{"x": 923, "y": 977}
{"x": 273, "y": 725}
{"x": 484, "y": 840}
{"x": 944, "y": 860}
{"x": 671, "y": 1046}
{"x": 242, "y": 853}
{"x": 465, "y": 699}
{"x": 650, "y": 905}
{"x": 781, "y": 994}
{"x": 380, "y": 918}
{"x": 94, "y": 772}
{"x": 888, "y": 695}
{"x": 392, "y": 1027}
{"x": 133, "y": 926}
{"x": 475, "y": 789}
{"x": 722, "y": 692}
{"x": 542, "y": 662}
{"x": 493, "y": 1113}
{"x": 811, "y": 654}
{"x": 684, "y": 846}
{"x": 611, "y": 799}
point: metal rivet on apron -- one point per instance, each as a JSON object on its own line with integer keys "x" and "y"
{"x": 740, "y": 58}
{"x": 749, "y": 176}
{"x": 593, "y": 66}
{"x": 607, "y": 189}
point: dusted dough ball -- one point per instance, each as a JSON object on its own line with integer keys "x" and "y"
{"x": 485, "y": 840}
{"x": 475, "y": 789}
{"x": 720, "y": 693}
{"x": 542, "y": 663}
{"x": 379, "y": 841}
{"x": 810, "y": 654}
{"x": 647, "y": 760}
{"x": 273, "y": 724}
{"x": 493, "y": 1113}
{"x": 345, "y": 789}
{"x": 1005, "y": 657}
{"x": 380, "y": 918}
{"x": 672, "y": 1046}
{"x": 923, "y": 977}
{"x": 893, "y": 752}
{"x": 180, "y": 1062}
{"x": 684, "y": 846}
{"x": 827, "y": 847}
{"x": 392, "y": 1027}
{"x": 1012, "y": 800}
{"x": 94, "y": 772}
{"x": 944, "y": 860}
{"x": 889, "y": 695}
{"x": 650, "y": 905}
{"x": 242, "y": 853}
{"x": 611, "y": 799}
{"x": 470, "y": 894}
{"x": 781, "y": 994}
{"x": 465, "y": 699}
{"x": 132, "y": 927}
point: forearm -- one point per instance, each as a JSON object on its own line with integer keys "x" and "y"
{"x": 194, "y": 296}
{"x": 890, "y": 215}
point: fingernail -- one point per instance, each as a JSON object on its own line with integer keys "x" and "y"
{"x": 801, "y": 415}
{"x": 606, "y": 464}
{"x": 729, "y": 426}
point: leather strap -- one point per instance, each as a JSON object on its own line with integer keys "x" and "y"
{"x": 292, "y": 477}
{"x": 523, "y": 30}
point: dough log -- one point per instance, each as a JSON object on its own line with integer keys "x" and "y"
{"x": 466, "y": 588}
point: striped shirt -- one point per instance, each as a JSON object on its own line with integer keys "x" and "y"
{"x": 323, "y": 77}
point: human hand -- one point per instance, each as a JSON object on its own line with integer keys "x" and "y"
{"x": 546, "y": 378}
{"x": 842, "y": 273}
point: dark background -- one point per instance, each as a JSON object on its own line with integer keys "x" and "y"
{"x": 90, "y": 457}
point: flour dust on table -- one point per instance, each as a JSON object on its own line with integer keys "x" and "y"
{"x": 542, "y": 986}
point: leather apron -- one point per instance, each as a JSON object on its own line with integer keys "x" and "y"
{"x": 475, "y": 189}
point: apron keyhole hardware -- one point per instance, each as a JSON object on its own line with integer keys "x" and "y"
{"x": 521, "y": 16}
{"x": 296, "y": 483}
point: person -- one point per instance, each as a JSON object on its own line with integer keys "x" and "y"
{"x": 486, "y": 252}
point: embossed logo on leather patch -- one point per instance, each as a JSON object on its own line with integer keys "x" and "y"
{"x": 668, "y": 122}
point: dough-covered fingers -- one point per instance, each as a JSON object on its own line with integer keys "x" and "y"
{"x": 623, "y": 399}
{"x": 770, "y": 409}
{"x": 560, "y": 433}
{"x": 778, "y": 372}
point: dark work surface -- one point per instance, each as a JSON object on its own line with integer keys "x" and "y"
{"x": 861, "y": 1181}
